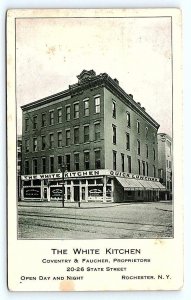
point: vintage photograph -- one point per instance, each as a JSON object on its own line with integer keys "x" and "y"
{"x": 94, "y": 98}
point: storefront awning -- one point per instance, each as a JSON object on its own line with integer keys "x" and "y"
{"x": 135, "y": 184}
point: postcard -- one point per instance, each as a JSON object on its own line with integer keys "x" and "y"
{"x": 94, "y": 148}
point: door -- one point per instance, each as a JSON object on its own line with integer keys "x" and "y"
{"x": 76, "y": 193}
{"x": 45, "y": 193}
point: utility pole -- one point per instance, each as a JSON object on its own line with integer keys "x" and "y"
{"x": 63, "y": 188}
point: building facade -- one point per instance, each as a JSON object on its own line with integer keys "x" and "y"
{"x": 19, "y": 158}
{"x": 165, "y": 161}
{"x": 106, "y": 141}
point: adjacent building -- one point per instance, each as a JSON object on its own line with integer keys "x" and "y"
{"x": 165, "y": 160}
{"x": 19, "y": 157}
{"x": 105, "y": 140}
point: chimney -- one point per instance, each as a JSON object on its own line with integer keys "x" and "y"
{"x": 130, "y": 95}
{"x": 117, "y": 81}
{"x": 143, "y": 108}
{"x": 139, "y": 103}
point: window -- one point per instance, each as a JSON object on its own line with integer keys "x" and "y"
{"x": 97, "y": 159}
{"x": 27, "y": 145}
{"x": 147, "y": 168}
{"x": 26, "y": 124}
{"x": 35, "y": 122}
{"x": 154, "y": 154}
{"x": 76, "y": 110}
{"x": 139, "y": 166}
{"x": 147, "y": 151}
{"x": 43, "y": 165}
{"x": 114, "y": 134}
{"x": 86, "y": 160}
{"x": 122, "y": 162}
{"x": 154, "y": 171}
{"x": 59, "y": 162}
{"x": 59, "y": 115}
{"x": 97, "y": 104}
{"x": 143, "y": 164}
{"x": 114, "y": 160}
{"x": 67, "y": 113}
{"x": 86, "y": 108}
{"x": 43, "y": 140}
{"x": 154, "y": 138}
{"x": 97, "y": 131}
{"x": 128, "y": 164}
{"x": 76, "y": 161}
{"x": 127, "y": 141}
{"x": 67, "y": 137}
{"x": 59, "y": 139}
{"x": 146, "y": 132}
{"x": 170, "y": 164}
{"x": 26, "y": 167}
{"x": 114, "y": 110}
{"x": 51, "y": 164}
{"x": 76, "y": 135}
{"x": 43, "y": 120}
{"x": 138, "y": 147}
{"x": 138, "y": 126}
{"x": 34, "y": 166}
{"x": 51, "y": 140}
{"x": 128, "y": 119}
{"x": 68, "y": 162}
{"x": 34, "y": 144}
{"x": 51, "y": 117}
{"x": 86, "y": 133}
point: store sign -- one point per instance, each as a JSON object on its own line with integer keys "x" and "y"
{"x": 55, "y": 192}
{"x": 88, "y": 173}
{"x": 32, "y": 192}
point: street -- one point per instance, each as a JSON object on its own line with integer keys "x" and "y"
{"x": 42, "y": 220}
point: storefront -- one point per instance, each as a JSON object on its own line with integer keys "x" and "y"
{"x": 86, "y": 186}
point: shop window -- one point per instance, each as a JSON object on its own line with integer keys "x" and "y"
{"x": 108, "y": 180}
{"x": 91, "y": 181}
{"x": 59, "y": 111}
{"x": 68, "y": 193}
{"x": 86, "y": 108}
{"x": 97, "y": 104}
{"x": 108, "y": 192}
{"x": 99, "y": 181}
{"x": 76, "y": 135}
{"x": 67, "y": 113}
{"x": 76, "y": 110}
{"x": 83, "y": 181}
{"x": 76, "y": 182}
{"x": 83, "y": 193}
{"x": 98, "y": 159}
{"x": 86, "y": 160}
{"x": 27, "y": 183}
{"x": 114, "y": 109}
{"x": 36, "y": 182}
{"x": 43, "y": 120}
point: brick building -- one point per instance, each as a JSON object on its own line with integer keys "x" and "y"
{"x": 165, "y": 163}
{"x": 106, "y": 140}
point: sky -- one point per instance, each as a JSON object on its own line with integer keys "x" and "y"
{"x": 50, "y": 53}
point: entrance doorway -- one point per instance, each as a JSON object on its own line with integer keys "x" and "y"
{"x": 45, "y": 193}
{"x": 76, "y": 193}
